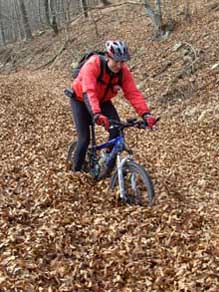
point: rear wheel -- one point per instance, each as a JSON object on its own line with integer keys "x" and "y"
{"x": 70, "y": 156}
{"x": 138, "y": 186}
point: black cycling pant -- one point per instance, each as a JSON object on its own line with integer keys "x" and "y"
{"x": 83, "y": 120}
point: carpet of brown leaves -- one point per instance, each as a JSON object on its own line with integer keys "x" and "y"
{"x": 62, "y": 232}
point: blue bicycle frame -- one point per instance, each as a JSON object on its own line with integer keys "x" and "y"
{"x": 118, "y": 144}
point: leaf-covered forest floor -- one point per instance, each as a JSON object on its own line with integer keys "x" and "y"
{"x": 61, "y": 232}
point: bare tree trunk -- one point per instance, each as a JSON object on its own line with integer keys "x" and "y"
{"x": 187, "y": 10}
{"x": 161, "y": 29}
{"x": 25, "y": 20}
{"x": 84, "y": 7}
{"x": 67, "y": 10}
{"x": 3, "y": 42}
{"x": 2, "y": 29}
{"x": 40, "y": 14}
{"x": 53, "y": 17}
{"x": 62, "y": 14}
{"x": 2, "y": 39}
{"x": 46, "y": 6}
{"x": 155, "y": 17}
{"x": 20, "y": 30}
{"x": 39, "y": 11}
{"x": 159, "y": 12}
{"x": 15, "y": 28}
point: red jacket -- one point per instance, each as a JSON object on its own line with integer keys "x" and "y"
{"x": 86, "y": 82}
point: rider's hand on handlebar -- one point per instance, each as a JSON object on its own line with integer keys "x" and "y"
{"x": 149, "y": 120}
{"x": 101, "y": 120}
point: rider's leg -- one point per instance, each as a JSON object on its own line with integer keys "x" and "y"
{"x": 82, "y": 120}
{"x": 110, "y": 111}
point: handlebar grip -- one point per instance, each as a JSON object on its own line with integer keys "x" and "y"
{"x": 131, "y": 120}
{"x": 69, "y": 92}
{"x": 114, "y": 122}
{"x": 143, "y": 124}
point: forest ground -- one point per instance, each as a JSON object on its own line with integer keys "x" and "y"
{"x": 61, "y": 232}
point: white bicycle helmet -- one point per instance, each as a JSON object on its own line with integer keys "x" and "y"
{"x": 117, "y": 50}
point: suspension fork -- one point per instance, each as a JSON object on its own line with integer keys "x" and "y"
{"x": 120, "y": 165}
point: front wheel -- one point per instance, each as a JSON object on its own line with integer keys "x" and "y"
{"x": 138, "y": 186}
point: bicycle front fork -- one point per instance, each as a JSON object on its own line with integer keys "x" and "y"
{"x": 120, "y": 165}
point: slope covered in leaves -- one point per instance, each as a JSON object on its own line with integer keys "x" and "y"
{"x": 62, "y": 232}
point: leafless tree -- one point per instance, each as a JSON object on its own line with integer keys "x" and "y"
{"x": 27, "y": 29}
{"x": 18, "y": 26}
{"x": 19, "y": 18}
{"x": 84, "y": 7}
{"x": 2, "y": 30}
{"x": 46, "y": 6}
{"x": 155, "y": 16}
{"x": 162, "y": 29}
{"x": 54, "y": 24}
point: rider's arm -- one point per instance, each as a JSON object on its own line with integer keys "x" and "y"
{"x": 132, "y": 94}
{"x": 90, "y": 73}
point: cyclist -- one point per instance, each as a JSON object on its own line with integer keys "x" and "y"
{"x": 92, "y": 97}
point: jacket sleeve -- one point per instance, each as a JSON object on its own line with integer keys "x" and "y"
{"x": 132, "y": 94}
{"x": 90, "y": 73}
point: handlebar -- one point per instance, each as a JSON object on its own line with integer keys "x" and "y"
{"x": 132, "y": 122}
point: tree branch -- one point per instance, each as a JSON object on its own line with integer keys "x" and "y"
{"x": 53, "y": 58}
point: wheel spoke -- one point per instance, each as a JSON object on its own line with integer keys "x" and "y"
{"x": 138, "y": 185}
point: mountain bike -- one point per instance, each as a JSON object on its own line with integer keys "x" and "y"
{"x": 133, "y": 182}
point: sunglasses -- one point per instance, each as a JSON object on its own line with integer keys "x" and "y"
{"x": 117, "y": 61}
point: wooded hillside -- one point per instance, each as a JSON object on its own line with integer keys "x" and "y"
{"x": 63, "y": 232}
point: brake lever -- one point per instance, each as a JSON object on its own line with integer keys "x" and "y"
{"x": 157, "y": 120}
{"x": 154, "y": 127}
{"x": 141, "y": 125}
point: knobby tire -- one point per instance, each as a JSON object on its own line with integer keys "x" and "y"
{"x": 146, "y": 195}
{"x": 70, "y": 156}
